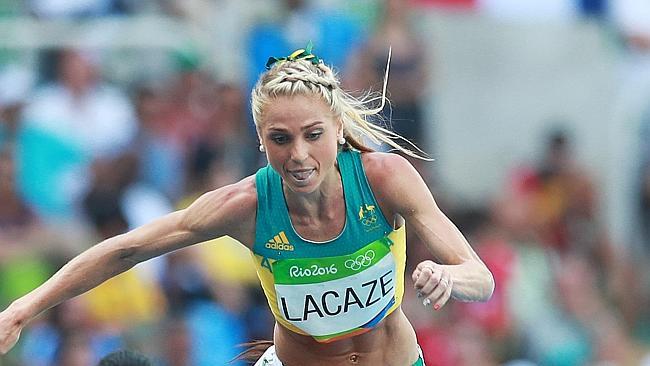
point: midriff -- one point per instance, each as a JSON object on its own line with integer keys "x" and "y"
{"x": 392, "y": 342}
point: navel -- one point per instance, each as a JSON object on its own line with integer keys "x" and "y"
{"x": 354, "y": 358}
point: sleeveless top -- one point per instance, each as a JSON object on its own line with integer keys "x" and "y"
{"x": 334, "y": 289}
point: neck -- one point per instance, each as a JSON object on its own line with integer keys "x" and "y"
{"x": 318, "y": 203}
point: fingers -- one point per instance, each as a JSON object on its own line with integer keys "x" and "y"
{"x": 9, "y": 334}
{"x": 427, "y": 279}
{"x": 7, "y": 343}
{"x": 422, "y": 265}
{"x": 441, "y": 300}
{"x": 433, "y": 284}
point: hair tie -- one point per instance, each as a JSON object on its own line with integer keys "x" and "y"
{"x": 301, "y": 54}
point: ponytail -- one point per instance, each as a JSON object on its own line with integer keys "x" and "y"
{"x": 253, "y": 352}
{"x": 302, "y": 75}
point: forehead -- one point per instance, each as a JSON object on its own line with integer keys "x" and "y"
{"x": 296, "y": 111}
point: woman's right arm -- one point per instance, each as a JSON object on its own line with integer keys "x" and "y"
{"x": 226, "y": 211}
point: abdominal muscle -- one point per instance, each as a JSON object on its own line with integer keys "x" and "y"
{"x": 392, "y": 342}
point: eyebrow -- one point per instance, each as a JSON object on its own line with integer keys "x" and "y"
{"x": 280, "y": 129}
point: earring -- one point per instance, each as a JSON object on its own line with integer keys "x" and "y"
{"x": 342, "y": 140}
{"x": 262, "y": 148}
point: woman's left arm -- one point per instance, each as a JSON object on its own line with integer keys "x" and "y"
{"x": 457, "y": 270}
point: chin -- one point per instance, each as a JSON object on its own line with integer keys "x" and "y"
{"x": 296, "y": 187}
{"x": 305, "y": 189}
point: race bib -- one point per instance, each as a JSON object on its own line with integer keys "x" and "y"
{"x": 330, "y": 296}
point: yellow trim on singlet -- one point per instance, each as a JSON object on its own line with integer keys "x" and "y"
{"x": 398, "y": 250}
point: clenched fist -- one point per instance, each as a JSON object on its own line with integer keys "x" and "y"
{"x": 10, "y": 329}
{"x": 433, "y": 284}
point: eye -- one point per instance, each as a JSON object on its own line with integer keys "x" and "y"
{"x": 279, "y": 138}
{"x": 314, "y": 135}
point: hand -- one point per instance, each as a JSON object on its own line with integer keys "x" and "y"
{"x": 433, "y": 284}
{"x": 10, "y": 330}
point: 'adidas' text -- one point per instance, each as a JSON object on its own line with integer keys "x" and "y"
{"x": 279, "y": 242}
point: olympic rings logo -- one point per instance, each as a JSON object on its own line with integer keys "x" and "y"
{"x": 363, "y": 260}
{"x": 369, "y": 220}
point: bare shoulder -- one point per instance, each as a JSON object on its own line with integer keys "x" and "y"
{"x": 386, "y": 169}
{"x": 238, "y": 197}
{"x": 393, "y": 180}
{"x": 229, "y": 210}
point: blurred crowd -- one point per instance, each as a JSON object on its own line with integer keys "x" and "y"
{"x": 85, "y": 156}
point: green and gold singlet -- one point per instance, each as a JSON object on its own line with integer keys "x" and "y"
{"x": 335, "y": 289}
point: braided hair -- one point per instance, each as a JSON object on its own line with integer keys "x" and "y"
{"x": 304, "y": 77}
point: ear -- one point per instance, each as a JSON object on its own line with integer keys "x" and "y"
{"x": 340, "y": 129}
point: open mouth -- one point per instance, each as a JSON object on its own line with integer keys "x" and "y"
{"x": 301, "y": 175}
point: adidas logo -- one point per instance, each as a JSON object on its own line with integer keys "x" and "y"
{"x": 279, "y": 242}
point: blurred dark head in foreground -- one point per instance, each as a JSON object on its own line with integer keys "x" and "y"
{"x": 125, "y": 358}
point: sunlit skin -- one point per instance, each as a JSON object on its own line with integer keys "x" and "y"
{"x": 300, "y": 137}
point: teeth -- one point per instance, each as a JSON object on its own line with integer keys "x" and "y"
{"x": 302, "y": 175}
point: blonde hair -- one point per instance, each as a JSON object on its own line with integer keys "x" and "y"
{"x": 302, "y": 77}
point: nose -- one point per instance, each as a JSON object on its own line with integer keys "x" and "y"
{"x": 299, "y": 151}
